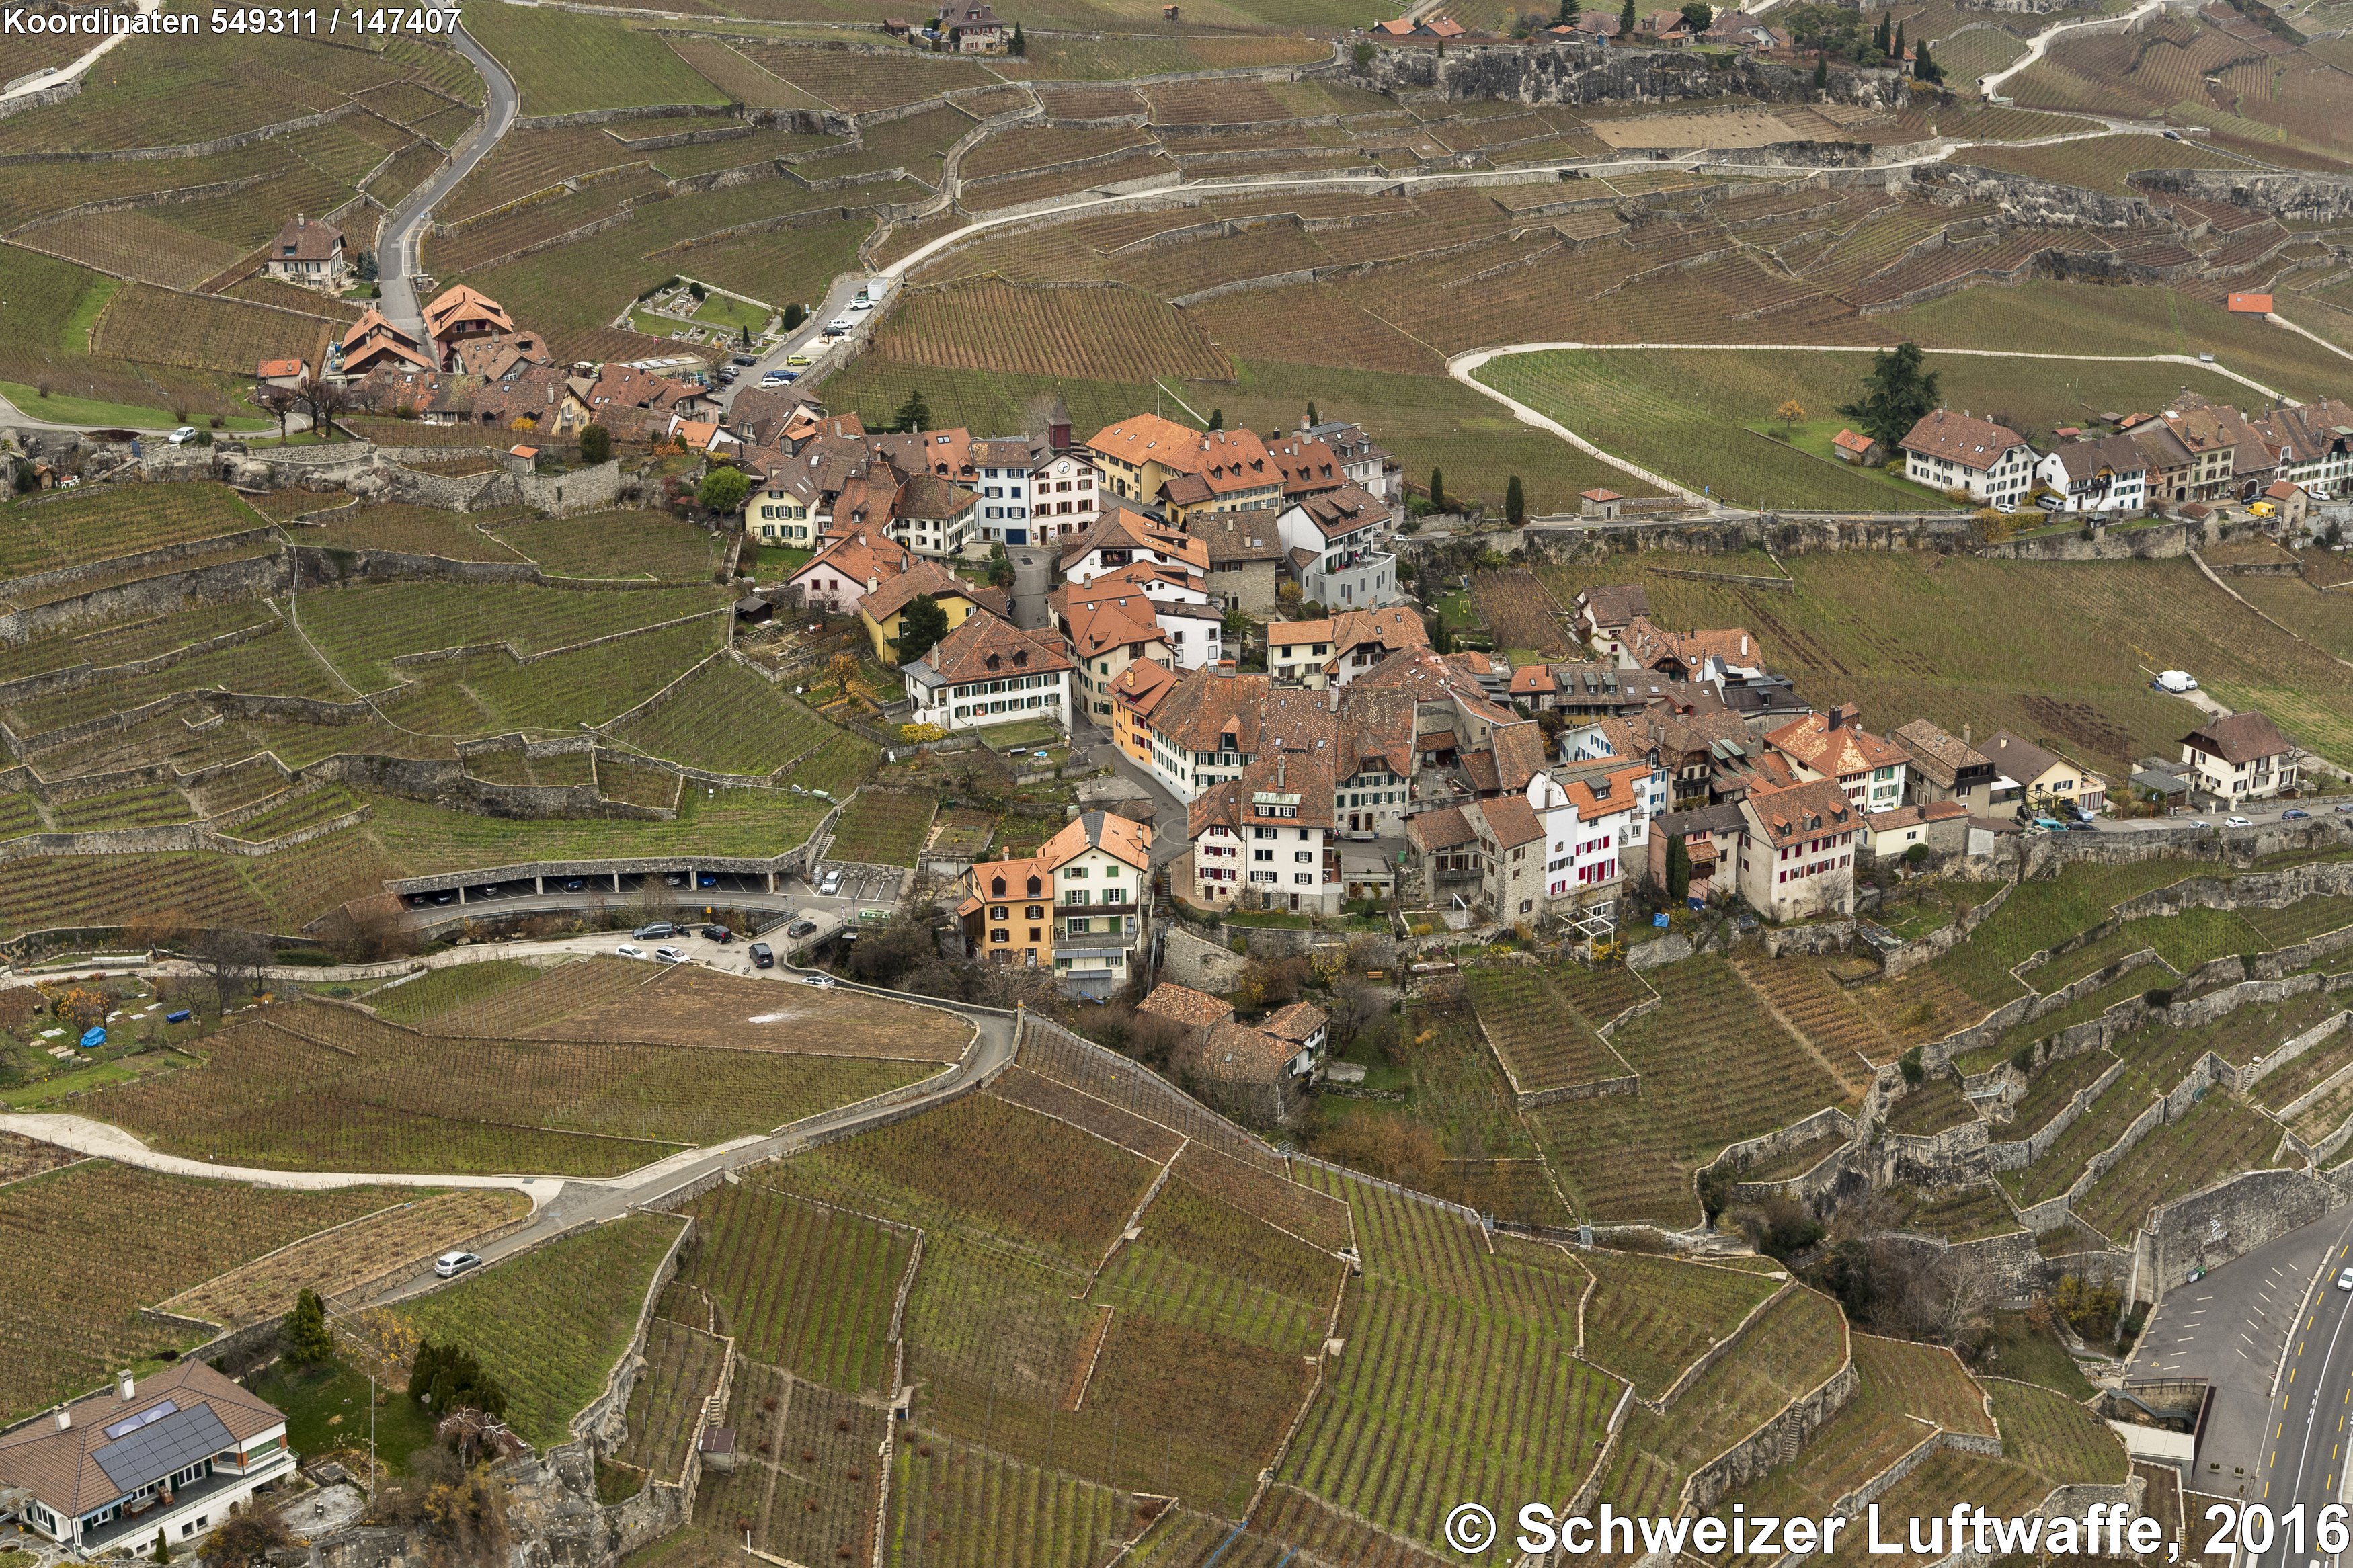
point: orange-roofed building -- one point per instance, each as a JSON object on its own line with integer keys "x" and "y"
{"x": 1142, "y": 456}
{"x": 2251, "y": 304}
{"x": 1835, "y": 746}
{"x": 1101, "y": 864}
{"x": 373, "y": 341}
{"x": 1135, "y": 692}
{"x": 463, "y": 312}
{"x": 1009, "y": 911}
{"x": 1796, "y": 853}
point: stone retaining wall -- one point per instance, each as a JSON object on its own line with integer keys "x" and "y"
{"x": 2227, "y": 1220}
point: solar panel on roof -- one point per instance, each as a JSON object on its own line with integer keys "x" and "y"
{"x": 131, "y": 1424}
{"x": 162, "y": 1447}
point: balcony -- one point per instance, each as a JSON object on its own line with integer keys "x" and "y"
{"x": 1128, "y": 907}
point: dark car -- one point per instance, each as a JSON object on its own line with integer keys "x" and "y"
{"x": 800, "y": 927}
{"x": 655, "y": 933}
{"x": 575, "y": 886}
{"x": 761, "y": 957}
{"x": 716, "y": 933}
{"x": 746, "y": 360}
{"x": 706, "y": 880}
{"x": 2294, "y": 814}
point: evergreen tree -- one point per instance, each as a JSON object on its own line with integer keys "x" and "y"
{"x": 596, "y": 443}
{"x": 308, "y": 1341}
{"x": 1821, "y": 71}
{"x": 1568, "y": 10}
{"x": 1216, "y": 419}
{"x": 914, "y": 413}
{"x": 1881, "y": 35}
{"x": 1896, "y": 393}
{"x": 1626, "y": 21}
{"x": 162, "y": 1552}
{"x": 921, "y": 627}
{"x": 1438, "y": 489}
{"x": 1927, "y": 69}
{"x": 1312, "y": 419}
{"x": 1515, "y": 502}
{"x": 1679, "y": 868}
{"x": 1020, "y": 46}
{"x": 1897, "y": 52}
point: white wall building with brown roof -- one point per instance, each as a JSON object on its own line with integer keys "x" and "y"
{"x": 1949, "y": 451}
{"x": 308, "y": 252}
{"x": 175, "y": 1452}
{"x": 1270, "y": 831}
{"x": 1797, "y": 857}
{"x": 989, "y": 672}
{"x": 1834, "y": 745}
{"x": 2240, "y": 758}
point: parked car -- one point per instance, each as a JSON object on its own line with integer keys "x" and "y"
{"x": 831, "y": 885}
{"x": 445, "y": 897}
{"x": 800, "y": 927}
{"x": 775, "y": 378}
{"x": 746, "y": 360}
{"x": 2294, "y": 814}
{"x": 675, "y": 879}
{"x": 706, "y": 880}
{"x": 575, "y": 886}
{"x": 799, "y": 361}
{"x": 183, "y": 436}
{"x": 2344, "y": 808}
{"x": 716, "y": 932}
{"x": 2082, "y": 825}
{"x": 630, "y": 949}
{"x": 763, "y": 956}
{"x": 2237, "y": 821}
{"x": 655, "y": 932}
{"x": 822, "y": 981}
{"x": 862, "y": 304}
{"x": 449, "y": 1265}
{"x": 669, "y": 955}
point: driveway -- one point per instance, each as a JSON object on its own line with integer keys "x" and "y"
{"x": 837, "y": 302}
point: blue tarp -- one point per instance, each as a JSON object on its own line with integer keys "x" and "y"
{"x": 93, "y": 1038}
{"x": 179, "y": 1017}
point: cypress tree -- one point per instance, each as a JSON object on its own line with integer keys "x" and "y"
{"x": 1821, "y": 71}
{"x": 1438, "y": 489}
{"x": 1515, "y": 502}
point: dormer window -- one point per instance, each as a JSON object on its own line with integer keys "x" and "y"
{"x": 997, "y": 886}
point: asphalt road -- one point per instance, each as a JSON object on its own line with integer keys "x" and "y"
{"x": 396, "y": 242}
{"x": 837, "y": 302}
{"x": 2230, "y": 1329}
{"x": 2305, "y": 1462}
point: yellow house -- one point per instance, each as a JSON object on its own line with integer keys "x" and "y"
{"x": 884, "y": 611}
{"x": 782, "y": 508}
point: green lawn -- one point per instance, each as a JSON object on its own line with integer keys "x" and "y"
{"x": 727, "y": 310}
{"x": 326, "y": 1408}
{"x": 60, "y": 409}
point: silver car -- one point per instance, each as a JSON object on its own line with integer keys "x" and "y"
{"x": 449, "y": 1265}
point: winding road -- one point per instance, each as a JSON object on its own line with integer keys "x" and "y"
{"x": 396, "y": 240}
{"x": 561, "y": 1204}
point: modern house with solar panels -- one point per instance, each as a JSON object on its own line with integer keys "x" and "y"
{"x": 179, "y": 1453}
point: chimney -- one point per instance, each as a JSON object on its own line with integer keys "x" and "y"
{"x": 1965, "y": 734}
{"x": 64, "y": 1419}
{"x": 124, "y": 1388}
{"x": 1831, "y": 720}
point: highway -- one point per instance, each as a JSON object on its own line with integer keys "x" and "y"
{"x": 2304, "y": 1462}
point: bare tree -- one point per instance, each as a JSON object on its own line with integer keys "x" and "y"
{"x": 277, "y": 402}
{"x": 232, "y": 960}
{"x": 327, "y": 397}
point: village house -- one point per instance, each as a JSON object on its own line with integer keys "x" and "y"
{"x": 1362, "y": 463}
{"x": 373, "y": 341}
{"x": 1135, "y": 694}
{"x": 1945, "y": 766}
{"x": 1262, "y": 840}
{"x": 1949, "y": 451}
{"x": 287, "y": 374}
{"x": 1939, "y": 826}
{"x": 1601, "y": 613}
{"x": 1712, "y": 836}
{"x": 1102, "y": 883}
{"x": 2039, "y": 779}
{"x": 986, "y": 672}
{"x": 882, "y": 611}
{"x": 2237, "y": 758}
{"x": 2108, "y": 475}
{"x": 460, "y": 313}
{"x": 1245, "y": 559}
{"x": 1797, "y": 859}
{"x": 309, "y": 253}
{"x": 1123, "y": 537}
{"x": 169, "y": 1456}
{"x": 1333, "y": 541}
{"x": 1595, "y": 824}
{"x": 1335, "y": 650}
{"x": 2314, "y": 443}
{"x": 1105, "y": 635}
{"x": 848, "y": 569}
{"x": 1698, "y": 655}
{"x": 1254, "y": 1073}
{"x": 1009, "y": 911}
{"x": 970, "y": 28}
{"x": 2290, "y": 505}
{"x": 1855, "y": 447}
{"x": 1141, "y": 458}
{"x": 1834, "y": 745}
{"x": 1511, "y": 857}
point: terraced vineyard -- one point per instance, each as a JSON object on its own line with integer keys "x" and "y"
{"x": 1650, "y": 1319}
{"x": 800, "y": 1287}
{"x": 1542, "y": 1042}
{"x": 2220, "y": 1136}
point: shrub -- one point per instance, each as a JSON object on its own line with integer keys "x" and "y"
{"x": 2022, "y": 1059}
{"x": 596, "y": 443}
{"x": 2159, "y": 996}
{"x": 1909, "y": 1065}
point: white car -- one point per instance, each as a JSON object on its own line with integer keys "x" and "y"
{"x": 839, "y": 324}
{"x": 671, "y": 954}
{"x": 822, "y": 981}
{"x": 449, "y": 1265}
{"x": 630, "y": 949}
{"x": 831, "y": 885}
{"x": 2237, "y": 821}
{"x": 862, "y": 304}
{"x": 2345, "y": 1280}
{"x": 183, "y": 436}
